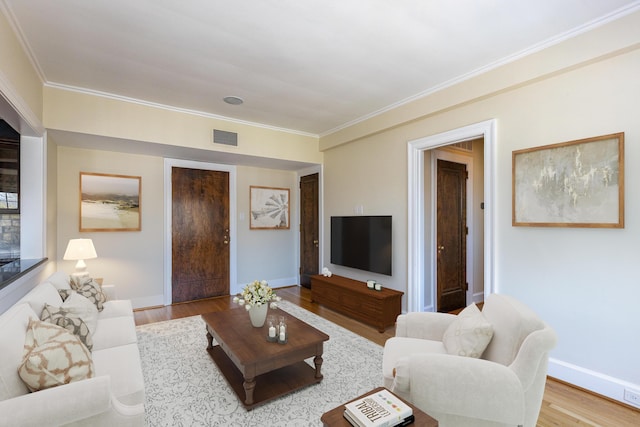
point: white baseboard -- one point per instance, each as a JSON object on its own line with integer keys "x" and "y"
{"x": 279, "y": 283}
{"x": 153, "y": 301}
{"x": 596, "y": 382}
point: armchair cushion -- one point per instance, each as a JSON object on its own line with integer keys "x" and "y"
{"x": 469, "y": 334}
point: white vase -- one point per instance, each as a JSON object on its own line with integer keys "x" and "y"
{"x": 258, "y": 314}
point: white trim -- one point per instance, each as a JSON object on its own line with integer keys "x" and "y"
{"x": 596, "y": 382}
{"x": 170, "y": 163}
{"x": 467, "y": 160}
{"x": 17, "y": 103}
{"x": 149, "y": 301}
{"x": 122, "y": 98}
{"x": 33, "y": 197}
{"x": 415, "y": 210}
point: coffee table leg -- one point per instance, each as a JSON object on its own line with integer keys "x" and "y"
{"x": 318, "y": 362}
{"x": 249, "y": 384}
{"x": 209, "y": 340}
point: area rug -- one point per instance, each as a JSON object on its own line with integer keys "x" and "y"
{"x": 185, "y": 388}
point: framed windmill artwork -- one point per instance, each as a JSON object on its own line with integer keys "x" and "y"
{"x": 269, "y": 208}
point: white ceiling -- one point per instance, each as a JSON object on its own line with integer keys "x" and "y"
{"x": 311, "y": 66}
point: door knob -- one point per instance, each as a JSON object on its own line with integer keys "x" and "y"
{"x": 440, "y": 248}
{"x": 316, "y": 242}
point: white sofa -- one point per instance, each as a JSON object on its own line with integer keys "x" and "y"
{"x": 113, "y": 397}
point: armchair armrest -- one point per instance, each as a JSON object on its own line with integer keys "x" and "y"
{"x": 461, "y": 386}
{"x": 424, "y": 325}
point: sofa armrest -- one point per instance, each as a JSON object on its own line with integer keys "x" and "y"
{"x": 64, "y": 404}
{"x": 424, "y": 325}
{"x": 461, "y": 386}
{"x": 110, "y": 292}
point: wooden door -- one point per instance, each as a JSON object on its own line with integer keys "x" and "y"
{"x": 199, "y": 233}
{"x": 451, "y": 235}
{"x": 309, "y": 224}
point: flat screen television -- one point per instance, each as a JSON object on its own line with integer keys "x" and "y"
{"x": 362, "y": 242}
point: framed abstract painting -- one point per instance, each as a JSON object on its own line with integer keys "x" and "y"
{"x": 572, "y": 184}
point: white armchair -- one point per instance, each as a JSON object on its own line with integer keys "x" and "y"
{"x": 504, "y": 387}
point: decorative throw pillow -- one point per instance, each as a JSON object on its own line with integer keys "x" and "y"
{"x": 68, "y": 320}
{"x": 89, "y": 288}
{"x": 64, "y": 293}
{"x": 468, "y": 335}
{"x": 53, "y": 356}
{"x": 83, "y": 308}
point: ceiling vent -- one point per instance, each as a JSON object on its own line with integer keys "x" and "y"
{"x": 224, "y": 137}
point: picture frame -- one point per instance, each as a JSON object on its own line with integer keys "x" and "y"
{"x": 269, "y": 208}
{"x": 110, "y": 202}
{"x": 571, "y": 184}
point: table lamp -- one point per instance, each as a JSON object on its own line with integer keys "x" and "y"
{"x": 80, "y": 249}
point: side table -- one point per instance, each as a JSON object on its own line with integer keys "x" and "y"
{"x": 334, "y": 417}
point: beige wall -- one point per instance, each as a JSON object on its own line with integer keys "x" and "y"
{"x": 132, "y": 260}
{"x": 20, "y": 85}
{"x": 71, "y": 111}
{"x": 267, "y": 254}
{"x": 135, "y": 260}
{"x": 582, "y": 281}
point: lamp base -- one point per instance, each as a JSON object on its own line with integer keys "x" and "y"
{"x": 80, "y": 274}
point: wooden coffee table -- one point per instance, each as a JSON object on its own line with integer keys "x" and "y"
{"x": 258, "y": 370}
{"x": 334, "y": 417}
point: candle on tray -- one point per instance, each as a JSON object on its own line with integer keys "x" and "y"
{"x": 378, "y": 287}
{"x": 272, "y": 331}
{"x": 283, "y": 337}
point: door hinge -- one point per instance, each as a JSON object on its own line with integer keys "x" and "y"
{"x": 466, "y": 230}
{"x": 466, "y": 286}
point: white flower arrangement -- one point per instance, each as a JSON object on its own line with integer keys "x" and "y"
{"x": 256, "y": 294}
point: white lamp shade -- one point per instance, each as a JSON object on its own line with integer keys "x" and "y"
{"x": 80, "y": 249}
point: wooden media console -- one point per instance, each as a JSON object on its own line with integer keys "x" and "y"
{"x": 354, "y": 299}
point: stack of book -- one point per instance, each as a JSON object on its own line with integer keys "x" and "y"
{"x": 379, "y": 409}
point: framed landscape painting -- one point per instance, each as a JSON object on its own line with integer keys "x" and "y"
{"x": 571, "y": 184}
{"x": 109, "y": 202}
{"x": 269, "y": 208}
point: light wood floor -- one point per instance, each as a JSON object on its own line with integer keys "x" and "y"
{"x": 563, "y": 405}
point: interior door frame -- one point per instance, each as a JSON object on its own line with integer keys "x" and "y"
{"x": 415, "y": 208}
{"x": 168, "y": 269}
{"x": 303, "y": 172}
{"x": 468, "y": 162}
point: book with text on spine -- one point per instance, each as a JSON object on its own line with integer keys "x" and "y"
{"x": 379, "y": 409}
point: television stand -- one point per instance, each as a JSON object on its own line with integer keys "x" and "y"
{"x": 354, "y": 299}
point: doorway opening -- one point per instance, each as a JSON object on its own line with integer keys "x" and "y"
{"x": 421, "y": 261}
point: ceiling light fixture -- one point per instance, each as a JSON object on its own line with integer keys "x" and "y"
{"x": 233, "y": 100}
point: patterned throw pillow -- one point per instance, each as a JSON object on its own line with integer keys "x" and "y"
{"x": 68, "y": 320}
{"x": 53, "y": 356}
{"x": 468, "y": 335}
{"x": 83, "y": 308}
{"x": 64, "y": 293}
{"x": 89, "y": 288}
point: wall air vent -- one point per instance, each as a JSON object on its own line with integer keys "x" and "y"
{"x": 224, "y": 137}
